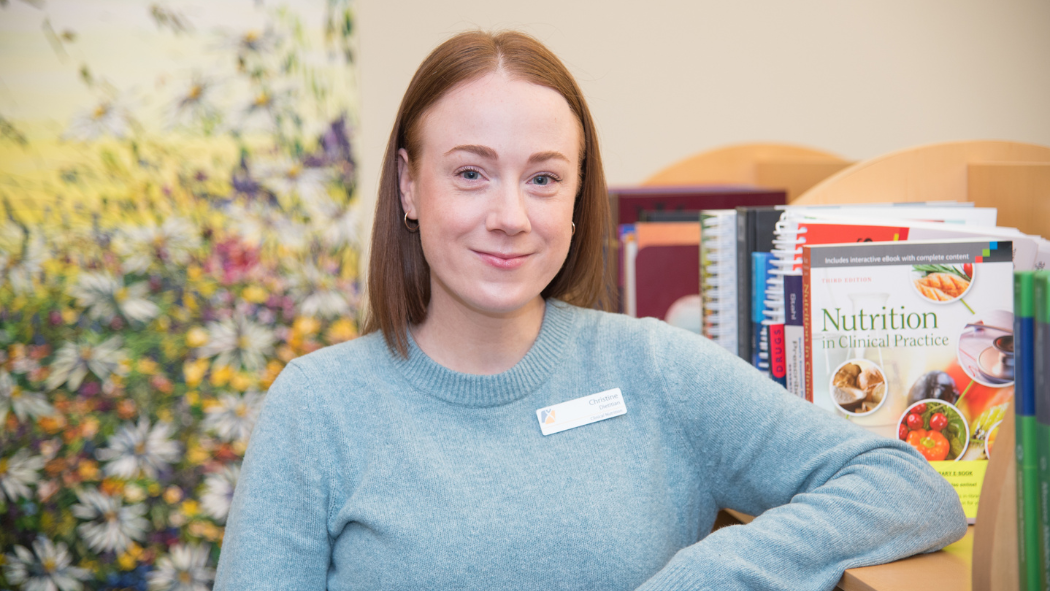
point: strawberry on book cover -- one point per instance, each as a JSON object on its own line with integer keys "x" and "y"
{"x": 915, "y": 340}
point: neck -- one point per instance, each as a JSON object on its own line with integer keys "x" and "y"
{"x": 470, "y": 341}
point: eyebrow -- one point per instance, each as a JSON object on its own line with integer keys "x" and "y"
{"x": 489, "y": 153}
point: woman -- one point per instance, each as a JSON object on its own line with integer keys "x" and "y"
{"x": 435, "y": 453}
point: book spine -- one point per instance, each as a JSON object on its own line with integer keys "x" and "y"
{"x": 794, "y": 336}
{"x": 807, "y": 325}
{"x": 761, "y": 265}
{"x": 1041, "y": 372}
{"x": 743, "y": 286}
{"x": 1029, "y": 554}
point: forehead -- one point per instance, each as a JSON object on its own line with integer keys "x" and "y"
{"x": 510, "y": 115}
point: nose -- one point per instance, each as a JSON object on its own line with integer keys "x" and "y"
{"x": 509, "y": 213}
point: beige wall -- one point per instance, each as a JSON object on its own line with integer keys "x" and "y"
{"x": 666, "y": 78}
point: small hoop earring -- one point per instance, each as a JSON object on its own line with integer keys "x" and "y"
{"x": 411, "y": 228}
{"x": 573, "y": 228}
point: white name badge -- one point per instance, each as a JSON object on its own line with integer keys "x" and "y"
{"x": 582, "y": 411}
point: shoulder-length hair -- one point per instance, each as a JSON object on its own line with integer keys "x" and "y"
{"x": 399, "y": 276}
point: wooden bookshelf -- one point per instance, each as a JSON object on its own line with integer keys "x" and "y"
{"x": 794, "y": 169}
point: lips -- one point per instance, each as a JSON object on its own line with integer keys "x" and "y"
{"x": 501, "y": 260}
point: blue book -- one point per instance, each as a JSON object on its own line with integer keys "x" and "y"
{"x": 761, "y": 265}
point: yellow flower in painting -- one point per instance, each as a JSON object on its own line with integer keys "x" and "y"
{"x": 241, "y": 381}
{"x": 193, "y": 371}
{"x": 220, "y": 375}
{"x": 254, "y": 294}
{"x": 69, "y": 315}
{"x": 190, "y": 508}
{"x": 196, "y": 337}
{"x": 193, "y": 273}
{"x": 172, "y": 495}
{"x": 88, "y": 470}
{"x": 306, "y": 325}
{"x": 89, "y": 427}
{"x": 146, "y": 366}
{"x": 163, "y": 323}
{"x": 193, "y": 397}
{"x": 341, "y": 330}
{"x": 126, "y": 561}
{"x": 154, "y": 489}
{"x": 197, "y": 455}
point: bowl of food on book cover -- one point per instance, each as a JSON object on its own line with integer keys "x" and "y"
{"x": 936, "y": 429}
{"x": 858, "y": 387}
{"x": 986, "y": 348}
{"x": 942, "y": 284}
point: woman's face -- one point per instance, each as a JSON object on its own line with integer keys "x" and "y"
{"x": 493, "y": 187}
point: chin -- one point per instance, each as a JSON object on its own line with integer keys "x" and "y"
{"x": 498, "y": 300}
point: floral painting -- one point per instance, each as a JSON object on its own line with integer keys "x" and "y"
{"x": 177, "y": 222}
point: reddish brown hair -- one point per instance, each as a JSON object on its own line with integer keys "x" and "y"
{"x": 399, "y": 276}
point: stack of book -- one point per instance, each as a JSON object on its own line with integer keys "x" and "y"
{"x": 897, "y": 317}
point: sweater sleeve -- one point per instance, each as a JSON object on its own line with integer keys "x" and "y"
{"x": 828, "y": 494}
{"x": 276, "y": 533}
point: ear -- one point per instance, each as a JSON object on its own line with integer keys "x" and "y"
{"x": 406, "y": 184}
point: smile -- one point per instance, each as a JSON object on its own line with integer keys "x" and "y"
{"x": 502, "y": 261}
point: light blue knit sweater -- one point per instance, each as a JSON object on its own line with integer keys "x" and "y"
{"x": 368, "y": 471}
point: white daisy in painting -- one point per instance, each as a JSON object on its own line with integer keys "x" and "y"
{"x": 21, "y": 257}
{"x": 289, "y": 178}
{"x": 238, "y": 342}
{"x": 234, "y": 416}
{"x": 318, "y": 292}
{"x": 103, "y": 296}
{"x": 251, "y": 41}
{"x": 18, "y": 472}
{"x": 138, "y": 448}
{"x": 21, "y": 402}
{"x": 73, "y": 361}
{"x": 218, "y": 492}
{"x": 262, "y": 225}
{"x": 47, "y": 568}
{"x": 265, "y": 110}
{"x": 108, "y": 117}
{"x": 170, "y": 243}
{"x": 184, "y": 568}
{"x": 109, "y": 524}
{"x": 194, "y": 105}
{"x": 339, "y": 224}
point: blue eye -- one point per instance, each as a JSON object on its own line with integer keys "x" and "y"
{"x": 543, "y": 180}
{"x": 470, "y": 175}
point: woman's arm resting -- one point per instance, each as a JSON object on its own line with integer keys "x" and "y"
{"x": 829, "y": 495}
{"x": 276, "y": 535}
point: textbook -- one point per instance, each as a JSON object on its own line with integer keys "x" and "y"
{"x": 1029, "y": 553}
{"x": 915, "y": 340}
{"x": 718, "y": 278}
{"x": 1041, "y": 387}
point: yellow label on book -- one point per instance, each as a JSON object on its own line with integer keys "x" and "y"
{"x": 966, "y": 478}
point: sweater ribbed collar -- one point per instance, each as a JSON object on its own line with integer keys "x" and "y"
{"x": 436, "y": 380}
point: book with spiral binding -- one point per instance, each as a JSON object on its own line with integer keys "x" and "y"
{"x": 718, "y": 277}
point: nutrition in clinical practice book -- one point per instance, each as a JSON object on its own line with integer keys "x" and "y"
{"x": 914, "y": 340}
